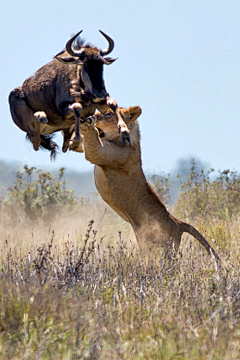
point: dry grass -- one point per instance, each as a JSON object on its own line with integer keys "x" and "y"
{"x": 80, "y": 290}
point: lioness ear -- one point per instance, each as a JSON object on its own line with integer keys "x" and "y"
{"x": 131, "y": 114}
{"x": 134, "y": 112}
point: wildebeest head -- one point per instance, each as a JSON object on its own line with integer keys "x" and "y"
{"x": 91, "y": 60}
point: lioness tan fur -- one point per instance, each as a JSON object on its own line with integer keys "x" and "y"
{"x": 120, "y": 180}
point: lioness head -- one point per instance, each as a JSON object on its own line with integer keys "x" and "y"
{"x": 106, "y": 123}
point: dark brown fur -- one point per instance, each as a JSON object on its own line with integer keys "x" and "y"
{"x": 44, "y": 104}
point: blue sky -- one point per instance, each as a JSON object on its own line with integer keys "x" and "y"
{"x": 178, "y": 60}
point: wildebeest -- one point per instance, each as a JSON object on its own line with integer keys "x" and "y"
{"x": 44, "y": 103}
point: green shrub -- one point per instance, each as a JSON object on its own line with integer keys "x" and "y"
{"x": 161, "y": 185}
{"x": 38, "y": 195}
{"x": 209, "y": 202}
{"x": 218, "y": 198}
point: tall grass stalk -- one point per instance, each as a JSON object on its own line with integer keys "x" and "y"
{"x": 67, "y": 291}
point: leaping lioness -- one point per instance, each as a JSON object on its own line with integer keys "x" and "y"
{"x": 120, "y": 180}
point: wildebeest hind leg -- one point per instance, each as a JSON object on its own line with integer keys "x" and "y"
{"x": 23, "y": 117}
{"x": 41, "y": 117}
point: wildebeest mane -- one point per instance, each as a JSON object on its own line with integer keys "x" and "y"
{"x": 78, "y": 43}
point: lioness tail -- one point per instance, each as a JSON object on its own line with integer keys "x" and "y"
{"x": 194, "y": 232}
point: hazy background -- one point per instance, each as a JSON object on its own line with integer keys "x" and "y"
{"x": 178, "y": 60}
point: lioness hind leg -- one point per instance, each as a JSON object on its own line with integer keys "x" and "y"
{"x": 23, "y": 117}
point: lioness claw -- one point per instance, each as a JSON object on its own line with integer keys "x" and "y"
{"x": 126, "y": 137}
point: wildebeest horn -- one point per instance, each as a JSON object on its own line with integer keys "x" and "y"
{"x": 110, "y": 46}
{"x": 69, "y": 45}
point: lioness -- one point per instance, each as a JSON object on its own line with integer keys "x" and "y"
{"x": 120, "y": 180}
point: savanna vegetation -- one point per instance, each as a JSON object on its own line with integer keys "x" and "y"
{"x": 74, "y": 285}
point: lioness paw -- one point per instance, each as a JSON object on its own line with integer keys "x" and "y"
{"x": 125, "y": 132}
{"x": 86, "y": 125}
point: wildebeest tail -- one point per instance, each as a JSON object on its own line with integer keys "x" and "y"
{"x": 48, "y": 144}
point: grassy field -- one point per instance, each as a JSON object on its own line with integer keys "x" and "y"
{"x": 74, "y": 285}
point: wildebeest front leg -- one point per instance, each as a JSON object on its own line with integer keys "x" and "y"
{"x": 120, "y": 123}
{"x": 77, "y": 110}
{"x": 67, "y": 134}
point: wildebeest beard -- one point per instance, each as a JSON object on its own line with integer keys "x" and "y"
{"x": 91, "y": 84}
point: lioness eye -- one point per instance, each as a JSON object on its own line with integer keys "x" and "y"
{"x": 108, "y": 114}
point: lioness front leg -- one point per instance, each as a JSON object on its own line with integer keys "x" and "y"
{"x": 120, "y": 123}
{"x": 102, "y": 152}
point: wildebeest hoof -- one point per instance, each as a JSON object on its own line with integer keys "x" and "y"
{"x": 41, "y": 117}
{"x": 74, "y": 144}
{"x": 77, "y": 138}
{"x": 126, "y": 137}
